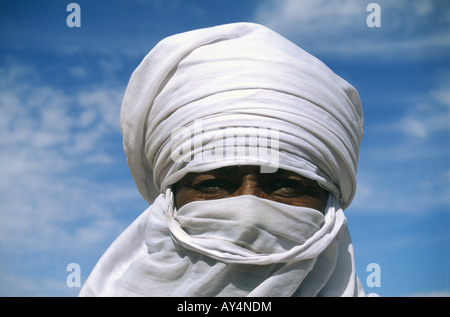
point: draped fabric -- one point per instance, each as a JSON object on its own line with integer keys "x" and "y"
{"x": 236, "y": 94}
{"x": 230, "y": 248}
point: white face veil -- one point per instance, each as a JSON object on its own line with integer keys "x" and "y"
{"x": 191, "y": 95}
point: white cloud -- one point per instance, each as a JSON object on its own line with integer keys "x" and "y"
{"x": 106, "y": 102}
{"x": 13, "y": 284}
{"x": 427, "y": 117}
{"x": 318, "y": 16}
{"x": 48, "y": 199}
{"x": 408, "y": 28}
{"x": 78, "y": 72}
{"x": 437, "y": 293}
{"x": 407, "y": 170}
{"x": 414, "y": 127}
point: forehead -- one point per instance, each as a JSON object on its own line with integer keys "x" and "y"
{"x": 242, "y": 170}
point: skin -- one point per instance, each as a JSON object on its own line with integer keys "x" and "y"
{"x": 282, "y": 186}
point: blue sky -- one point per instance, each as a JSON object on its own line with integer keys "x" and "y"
{"x": 65, "y": 189}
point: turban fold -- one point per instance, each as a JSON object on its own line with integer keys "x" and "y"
{"x": 234, "y": 77}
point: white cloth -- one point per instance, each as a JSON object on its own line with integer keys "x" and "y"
{"x": 231, "y": 247}
{"x": 235, "y": 76}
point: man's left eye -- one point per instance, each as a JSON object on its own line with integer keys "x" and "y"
{"x": 285, "y": 183}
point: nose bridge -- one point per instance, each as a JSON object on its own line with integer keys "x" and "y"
{"x": 249, "y": 186}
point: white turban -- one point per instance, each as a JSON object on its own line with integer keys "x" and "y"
{"x": 242, "y": 75}
{"x": 235, "y": 76}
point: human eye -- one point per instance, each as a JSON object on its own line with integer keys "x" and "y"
{"x": 286, "y": 187}
{"x": 213, "y": 186}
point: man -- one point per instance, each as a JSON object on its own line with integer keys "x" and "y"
{"x": 246, "y": 148}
